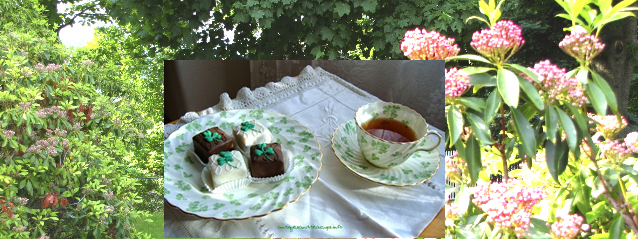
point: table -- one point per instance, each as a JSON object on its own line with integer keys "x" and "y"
{"x": 325, "y": 94}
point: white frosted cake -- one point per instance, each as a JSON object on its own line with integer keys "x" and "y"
{"x": 250, "y": 133}
{"x": 227, "y": 166}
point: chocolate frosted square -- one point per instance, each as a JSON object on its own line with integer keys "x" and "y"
{"x": 212, "y": 141}
{"x": 266, "y": 160}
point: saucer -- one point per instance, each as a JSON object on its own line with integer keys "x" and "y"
{"x": 420, "y": 167}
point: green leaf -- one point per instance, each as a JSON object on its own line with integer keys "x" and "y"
{"x": 478, "y": 18}
{"x": 492, "y": 105}
{"x": 617, "y": 227}
{"x": 472, "y": 102}
{"x": 483, "y": 7}
{"x": 369, "y": 5}
{"x": 508, "y": 86}
{"x": 482, "y": 79}
{"x": 564, "y": 15}
{"x": 606, "y": 89}
{"x": 473, "y": 158}
{"x": 470, "y": 58}
{"x": 342, "y": 9}
{"x": 554, "y": 153}
{"x": 531, "y": 92}
{"x": 463, "y": 198}
{"x": 454, "y": 123}
{"x": 531, "y": 74}
{"x": 480, "y": 129}
{"x": 597, "y": 98}
{"x": 30, "y": 188}
{"x": 551, "y": 122}
{"x": 570, "y": 130}
{"x": 582, "y": 199}
{"x": 525, "y": 133}
{"x": 476, "y": 70}
{"x": 577, "y": 8}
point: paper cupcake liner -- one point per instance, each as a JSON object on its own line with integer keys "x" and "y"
{"x": 224, "y": 188}
{"x": 288, "y": 166}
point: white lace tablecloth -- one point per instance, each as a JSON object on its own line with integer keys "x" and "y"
{"x": 321, "y": 101}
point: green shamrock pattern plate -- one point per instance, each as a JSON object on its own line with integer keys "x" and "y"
{"x": 420, "y": 167}
{"x": 183, "y": 186}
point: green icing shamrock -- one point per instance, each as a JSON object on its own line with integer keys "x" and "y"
{"x": 225, "y": 158}
{"x": 215, "y": 136}
{"x": 245, "y": 126}
{"x": 261, "y": 149}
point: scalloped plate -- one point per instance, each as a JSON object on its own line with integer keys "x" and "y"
{"x": 420, "y": 167}
{"x": 183, "y": 186}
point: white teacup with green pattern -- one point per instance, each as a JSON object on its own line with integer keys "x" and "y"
{"x": 386, "y": 154}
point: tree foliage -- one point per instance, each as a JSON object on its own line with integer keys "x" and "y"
{"x": 70, "y": 131}
{"x": 286, "y": 29}
{"x": 139, "y": 81}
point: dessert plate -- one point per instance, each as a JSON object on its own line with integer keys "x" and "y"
{"x": 184, "y": 188}
{"x": 420, "y": 167}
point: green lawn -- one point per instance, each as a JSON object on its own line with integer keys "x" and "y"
{"x": 155, "y": 228}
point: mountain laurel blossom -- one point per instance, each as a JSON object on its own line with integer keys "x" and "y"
{"x": 419, "y": 44}
{"x": 554, "y": 85}
{"x": 456, "y": 82}
{"x": 567, "y": 226}
{"x": 581, "y": 46}
{"x": 499, "y": 42}
{"x": 509, "y": 204}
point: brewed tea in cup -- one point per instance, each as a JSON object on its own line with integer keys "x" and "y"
{"x": 389, "y": 133}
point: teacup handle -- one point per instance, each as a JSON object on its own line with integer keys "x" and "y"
{"x": 437, "y": 143}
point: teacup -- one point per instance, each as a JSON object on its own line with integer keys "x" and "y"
{"x": 384, "y": 149}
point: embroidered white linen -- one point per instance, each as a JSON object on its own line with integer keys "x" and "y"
{"x": 352, "y": 206}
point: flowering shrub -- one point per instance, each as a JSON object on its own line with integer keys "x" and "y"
{"x": 561, "y": 173}
{"x": 63, "y": 154}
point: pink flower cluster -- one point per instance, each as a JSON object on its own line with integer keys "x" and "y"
{"x": 53, "y": 68}
{"x": 581, "y": 46}
{"x": 568, "y": 226}
{"x": 108, "y": 195}
{"x": 87, "y": 63}
{"x": 456, "y": 82}
{"x": 25, "y": 106}
{"x": 47, "y": 146}
{"x": 499, "y": 42}
{"x": 50, "y": 68}
{"x": 8, "y": 133}
{"x": 608, "y": 125}
{"x": 631, "y": 141}
{"x": 43, "y": 113}
{"x": 77, "y": 126}
{"x": 57, "y": 131}
{"x": 614, "y": 149}
{"x": 39, "y": 67}
{"x": 21, "y": 201}
{"x": 508, "y": 205}
{"x": 554, "y": 85}
{"x": 419, "y": 44}
{"x": 110, "y": 209}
